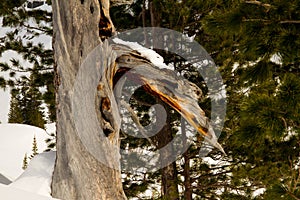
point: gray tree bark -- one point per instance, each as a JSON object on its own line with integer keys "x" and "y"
{"x": 79, "y": 26}
{"x": 78, "y": 175}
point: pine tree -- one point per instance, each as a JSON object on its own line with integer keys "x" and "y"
{"x": 25, "y": 162}
{"x": 27, "y": 24}
{"x": 34, "y": 148}
{"x": 260, "y": 37}
{"x": 32, "y": 99}
{"x": 51, "y": 142}
{"x": 15, "y": 114}
{"x": 179, "y": 16}
{"x": 26, "y": 104}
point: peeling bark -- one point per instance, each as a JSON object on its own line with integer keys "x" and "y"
{"x": 179, "y": 93}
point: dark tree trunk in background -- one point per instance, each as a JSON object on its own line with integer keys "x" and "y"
{"x": 168, "y": 173}
{"x": 169, "y": 178}
{"x": 186, "y": 167}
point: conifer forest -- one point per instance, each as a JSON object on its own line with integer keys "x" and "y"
{"x": 255, "y": 48}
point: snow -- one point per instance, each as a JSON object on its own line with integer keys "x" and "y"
{"x": 4, "y": 180}
{"x": 156, "y": 59}
{"x": 15, "y": 141}
{"x": 276, "y": 58}
{"x": 37, "y": 177}
{"x": 34, "y": 182}
{"x": 10, "y": 193}
{"x": 50, "y": 128}
{"x": 189, "y": 38}
{"x": 258, "y": 192}
{"x": 44, "y": 7}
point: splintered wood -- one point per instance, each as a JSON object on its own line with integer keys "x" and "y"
{"x": 177, "y": 92}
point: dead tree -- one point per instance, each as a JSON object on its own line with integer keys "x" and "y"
{"x": 79, "y": 27}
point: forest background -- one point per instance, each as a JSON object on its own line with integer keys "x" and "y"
{"x": 255, "y": 45}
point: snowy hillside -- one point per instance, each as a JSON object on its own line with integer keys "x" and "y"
{"x": 4, "y": 180}
{"x": 38, "y": 174}
{"x": 9, "y": 193}
{"x": 15, "y": 141}
{"x": 34, "y": 183}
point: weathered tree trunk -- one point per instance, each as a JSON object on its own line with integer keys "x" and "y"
{"x": 79, "y": 175}
{"x": 79, "y": 26}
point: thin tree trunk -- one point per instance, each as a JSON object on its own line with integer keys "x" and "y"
{"x": 186, "y": 167}
{"x": 168, "y": 173}
{"x": 155, "y": 17}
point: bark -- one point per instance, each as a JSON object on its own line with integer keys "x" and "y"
{"x": 168, "y": 173}
{"x": 78, "y": 174}
{"x": 155, "y": 17}
{"x": 186, "y": 167}
{"x": 79, "y": 26}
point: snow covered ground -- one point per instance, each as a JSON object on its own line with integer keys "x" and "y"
{"x": 10, "y": 193}
{"x": 4, "y": 180}
{"x": 37, "y": 177}
{"x": 15, "y": 141}
{"x": 34, "y": 182}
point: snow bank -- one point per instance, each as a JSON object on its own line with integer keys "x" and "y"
{"x": 4, "y": 180}
{"x": 34, "y": 183}
{"x": 38, "y": 175}
{"x": 10, "y": 193}
{"x": 15, "y": 141}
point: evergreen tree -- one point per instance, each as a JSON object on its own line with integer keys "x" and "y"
{"x": 26, "y": 25}
{"x": 51, "y": 142}
{"x": 182, "y": 16}
{"x": 33, "y": 113}
{"x": 25, "y": 162}
{"x": 34, "y": 148}
{"x": 178, "y": 16}
{"x": 26, "y": 104}
{"x": 260, "y": 38}
{"x": 15, "y": 114}
{"x": 255, "y": 45}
